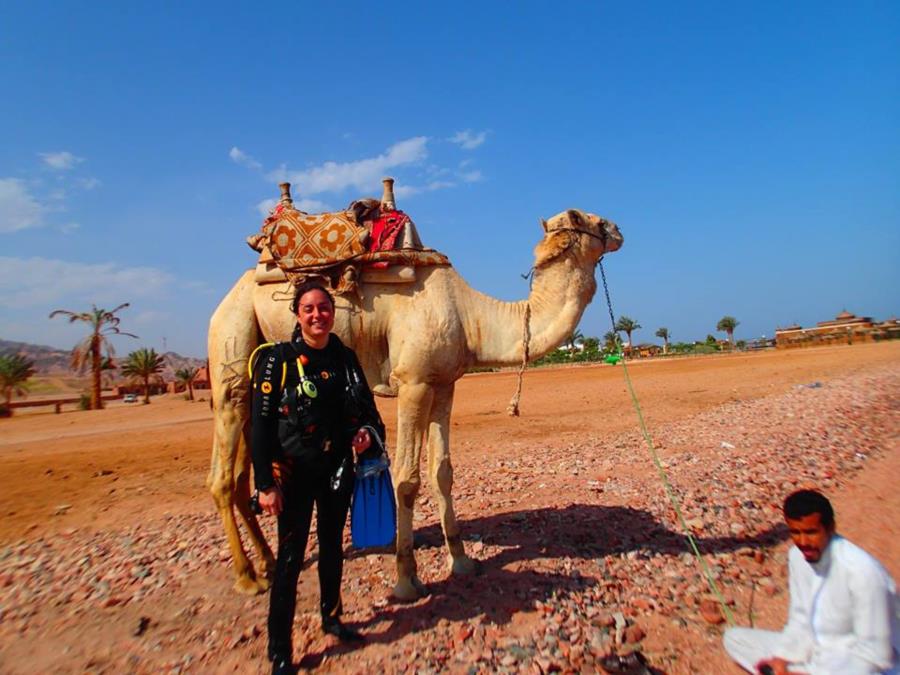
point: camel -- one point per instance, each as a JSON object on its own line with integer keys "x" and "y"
{"x": 414, "y": 341}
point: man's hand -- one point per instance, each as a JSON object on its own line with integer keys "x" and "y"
{"x": 773, "y": 666}
{"x": 361, "y": 441}
{"x": 271, "y": 501}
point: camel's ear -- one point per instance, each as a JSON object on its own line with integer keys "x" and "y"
{"x": 575, "y": 219}
{"x": 544, "y": 224}
{"x": 551, "y": 246}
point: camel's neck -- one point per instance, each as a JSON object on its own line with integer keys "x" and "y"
{"x": 560, "y": 292}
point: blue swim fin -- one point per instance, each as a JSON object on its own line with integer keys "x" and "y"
{"x": 373, "y": 517}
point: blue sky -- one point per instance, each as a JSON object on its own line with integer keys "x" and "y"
{"x": 750, "y": 154}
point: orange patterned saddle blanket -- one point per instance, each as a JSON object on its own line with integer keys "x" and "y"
{"x": 298, "y": 240}
{"x": 332, "y": 246}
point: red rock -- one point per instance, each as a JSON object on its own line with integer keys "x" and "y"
{"x": 711, "y": 611}
{"x": 634, "y": 634}
{"x": 463, "y": 633}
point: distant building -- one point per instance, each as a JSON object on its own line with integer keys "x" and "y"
{"x": 760, "y": 343}
{"x": 200, "y": 381}
{"x": 845, "y": 328}
{"x": 644, "y": 350}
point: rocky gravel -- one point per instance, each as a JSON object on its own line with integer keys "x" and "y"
{"x": 581, "y": 554}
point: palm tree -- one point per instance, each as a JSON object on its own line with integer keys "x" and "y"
{"x": 628, "y": 326}
{"x": 89, "y": 351}
{"x": 107, "y": 366}
{"x": 186, "y": 377}
{"x": 663, "y": 334}
{"x": 728, "y": 324}
{"x": 15, "y": 370}
{"x": 611, "y": 341}
{"x": 573, "y": 338}
{"x": 143, "y": 364}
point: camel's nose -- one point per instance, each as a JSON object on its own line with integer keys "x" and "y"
{"x": 614, "y": 238}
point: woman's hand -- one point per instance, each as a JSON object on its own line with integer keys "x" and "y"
{"x": 361, "y": 441}
{"x": 271, "y": 501}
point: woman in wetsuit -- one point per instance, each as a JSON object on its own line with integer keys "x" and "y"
{"x": 311, "y": 403}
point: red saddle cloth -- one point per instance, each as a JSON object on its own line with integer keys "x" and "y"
{"x": 385, "y": 231}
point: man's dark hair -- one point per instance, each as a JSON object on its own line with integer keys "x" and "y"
{"x": 305, "y": 288}
{"x": 803, "y": 503}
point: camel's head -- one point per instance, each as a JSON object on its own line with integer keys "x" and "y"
{"x": 592, "y": 234}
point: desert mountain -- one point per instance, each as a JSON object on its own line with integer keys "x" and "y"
{"x": 53, "y": 361}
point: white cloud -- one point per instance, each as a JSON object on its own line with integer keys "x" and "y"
{"x": 238, "y": 156}
{"x": 151, "y": 316}
{"x": 312, "y": 206}
{"x": 69, "y": 228}
{"x": 41, "y": 282}
{"x": 306, "y": 205}
{"x": 265, "y": 206}
{"x": 468, "y": 140}
{"x": 19, "y": 210}
{"x": 90, "y": 183}
{"x": 61, "y": 161}
{"x": 199, "y": 286}
{"x": 363, "y": 174}
{"x": 402, "y": 191}
{"x": 471, "y": 176}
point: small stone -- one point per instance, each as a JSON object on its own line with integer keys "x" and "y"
{"x": 142, "y": 625}
{"x": 711, "y": 612}
{"x": 463, "y": 634}
{"x": 634, "y": 634}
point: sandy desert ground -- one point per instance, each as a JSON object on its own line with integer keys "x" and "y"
{"x": 112, "y": 558}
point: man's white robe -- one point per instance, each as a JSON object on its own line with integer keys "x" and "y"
{"x": 843, "y": 617}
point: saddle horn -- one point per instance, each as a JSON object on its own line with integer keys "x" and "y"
{"x": 387, "y": 197}
{"x": 286, "y": 194}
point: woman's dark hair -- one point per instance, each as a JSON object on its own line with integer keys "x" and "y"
{"x": 305, "y": 288}
{"x": 803, "y": 503}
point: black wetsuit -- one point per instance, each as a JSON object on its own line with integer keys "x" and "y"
{"x": 310, "y": 440}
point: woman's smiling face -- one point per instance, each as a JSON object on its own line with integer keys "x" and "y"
{"x": 315, "y": 314}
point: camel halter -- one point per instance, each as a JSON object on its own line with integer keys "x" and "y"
{"x": 513, "y": 408}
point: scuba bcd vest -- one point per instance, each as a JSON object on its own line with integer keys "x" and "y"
{"x": 305, "y": 422}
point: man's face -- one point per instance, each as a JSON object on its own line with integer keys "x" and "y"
{"x": 810, "y": 535}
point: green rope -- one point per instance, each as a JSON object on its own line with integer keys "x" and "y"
{"x": 659, "y": 467}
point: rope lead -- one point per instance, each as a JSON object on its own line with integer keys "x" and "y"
{"x": 659, "y": 467}
{"x": 513, "y": 408}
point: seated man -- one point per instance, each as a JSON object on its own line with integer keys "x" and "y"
{"x": 843, "y": 612}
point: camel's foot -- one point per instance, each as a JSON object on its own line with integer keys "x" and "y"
{"x": 263, "y": 583}
{"x": 461, "y": 565}
{"x": 384, "y": 390}
{"x": 266, "y": 571}
{"x": 247, "y": 585}
{"x": 409, "y": 589}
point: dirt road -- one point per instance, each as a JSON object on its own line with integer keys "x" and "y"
{"x": 102, "y": 476}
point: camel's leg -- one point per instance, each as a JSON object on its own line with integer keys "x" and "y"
{"x": 233, "y": 334}
{"x": 413, "y": 409}
{"x": 242, "y": 501}
{"x": 440, "y": 473}
{"x": 228, "y": 424}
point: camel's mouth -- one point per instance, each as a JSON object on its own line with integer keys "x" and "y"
{"x": 609, "y": 231}
{"x": 614, "y": 238}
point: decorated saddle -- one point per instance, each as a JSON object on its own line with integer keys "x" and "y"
{"x": 370, "y": 241}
